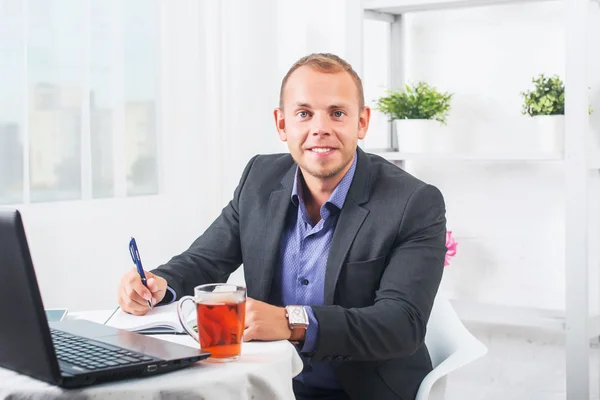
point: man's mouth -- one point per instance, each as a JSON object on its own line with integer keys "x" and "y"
{"x": 321, "y": 149}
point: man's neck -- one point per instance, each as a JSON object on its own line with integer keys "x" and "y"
{"x": 315, "y": 196}
{"x": 317, "y": 191}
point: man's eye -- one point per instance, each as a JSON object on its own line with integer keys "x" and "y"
{"x": 338, "y": 114}
{"x": 303, "y": 114}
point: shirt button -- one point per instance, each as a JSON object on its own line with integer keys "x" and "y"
{"x": 304, "y": 282}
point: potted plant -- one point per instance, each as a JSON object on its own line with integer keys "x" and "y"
{"x": 545, "y": 103}
{"x": 418, "y": 111}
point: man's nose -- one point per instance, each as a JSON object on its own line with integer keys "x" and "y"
{"x": 321, "y": 125}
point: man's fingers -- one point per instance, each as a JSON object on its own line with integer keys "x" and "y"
{"x": 249, "y": 320}
{"x": 140, "y": 295}
{"x": 157, "y": 294}
{"x": 250, "y": 313}
{"x": 249, "y": 334}
{"x": 157, "y": 286}
{"x": 152, "y": 285}
{"x": 137, "y": 287}
{"x": 133, "y": 296}
{"x": 132, "y": 307}
{"x": 137, "y": 292}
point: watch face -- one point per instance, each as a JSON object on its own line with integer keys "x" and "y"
{"x": 296, "y": 315}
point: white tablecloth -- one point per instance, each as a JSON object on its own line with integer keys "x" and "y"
{"x": 263, "y": 372}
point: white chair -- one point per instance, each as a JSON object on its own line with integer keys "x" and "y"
{"x": 451, "y": 346}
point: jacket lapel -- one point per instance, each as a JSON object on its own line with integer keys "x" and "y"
{"x": 350, "y": 220}
{"x": 279, "y": 203}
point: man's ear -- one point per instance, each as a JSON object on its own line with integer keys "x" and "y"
{"x": 363, "y": 122}
{"x": 280, "y": 124}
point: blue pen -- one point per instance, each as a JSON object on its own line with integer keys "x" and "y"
{"x": 135, "y": 256}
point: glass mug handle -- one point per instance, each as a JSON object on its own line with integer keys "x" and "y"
{"x": 182, "y": 320}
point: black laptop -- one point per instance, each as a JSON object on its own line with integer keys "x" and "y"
{"x": 67, "y": 353}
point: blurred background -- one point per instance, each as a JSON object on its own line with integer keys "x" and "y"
{"x": 124, "y": 118}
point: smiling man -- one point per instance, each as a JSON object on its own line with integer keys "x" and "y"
{"x": 342, "y": 251}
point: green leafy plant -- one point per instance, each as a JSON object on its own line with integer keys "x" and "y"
{"x": 546, "y": 98}
{"x": 419, "y": 101}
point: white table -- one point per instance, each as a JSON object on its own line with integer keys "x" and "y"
{"x": 264, "y": 371}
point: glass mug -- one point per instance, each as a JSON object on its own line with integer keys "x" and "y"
{"x": 220, "y": 315}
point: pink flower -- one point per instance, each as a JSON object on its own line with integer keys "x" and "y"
{"x": 451, "y": 246}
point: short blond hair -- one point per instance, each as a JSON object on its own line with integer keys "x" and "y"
{"x": 329, "y": 64}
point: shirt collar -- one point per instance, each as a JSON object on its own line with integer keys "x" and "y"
{"x": 337, "y": 198}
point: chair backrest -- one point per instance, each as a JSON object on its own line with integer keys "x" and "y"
{"x": 451, "y": 346}
{"x": 445, "y": 332}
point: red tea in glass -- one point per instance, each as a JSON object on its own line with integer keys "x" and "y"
{"x": 220, "y": 327}
{"x": 220, "y": 316}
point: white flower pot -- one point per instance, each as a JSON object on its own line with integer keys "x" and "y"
{"x": 422, "y": 136}
{"x": 549, "y": 133}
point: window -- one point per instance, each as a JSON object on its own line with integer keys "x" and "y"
{"x": 12, "y": 101}
{"x": 78, "y": 115}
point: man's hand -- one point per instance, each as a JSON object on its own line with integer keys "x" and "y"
{"x": 265, "y": 322}
{"x": 134, "y": 296}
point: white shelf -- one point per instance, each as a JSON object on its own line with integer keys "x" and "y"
{"x": 530, "y": 157}
{"x": 397, "y": 7}
{"x": 508, "y": 156}
{"x": 518, "y": 316}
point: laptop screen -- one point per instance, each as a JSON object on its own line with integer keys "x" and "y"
{"x": 25, "y": 341}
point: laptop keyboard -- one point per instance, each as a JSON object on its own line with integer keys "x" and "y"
{"x": 91, "y": 355}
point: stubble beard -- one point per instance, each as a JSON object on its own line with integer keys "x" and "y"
{"x": 326, "y": 174}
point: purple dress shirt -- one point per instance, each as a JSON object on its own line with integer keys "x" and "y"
{"x": 300, "y": 274}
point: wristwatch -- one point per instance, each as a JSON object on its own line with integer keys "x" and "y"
{"x": 297, "y": 320}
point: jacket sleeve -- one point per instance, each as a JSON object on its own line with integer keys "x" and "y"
{"x": 395, "y": 325}
{"x": 213, "y": 256}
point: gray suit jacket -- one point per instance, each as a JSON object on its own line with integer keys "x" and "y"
{"x": 382, "y": 274}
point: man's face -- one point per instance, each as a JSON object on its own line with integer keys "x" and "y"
{"x": 321, "y": 121}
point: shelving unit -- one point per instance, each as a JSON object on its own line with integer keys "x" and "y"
{"x": 574, "y": 320}
{"x": 480, "y": 156}
{"x": 399, "y": 7}
{"x": 518, "y": 316}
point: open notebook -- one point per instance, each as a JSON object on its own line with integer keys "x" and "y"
{"x": 159, "y": 320}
